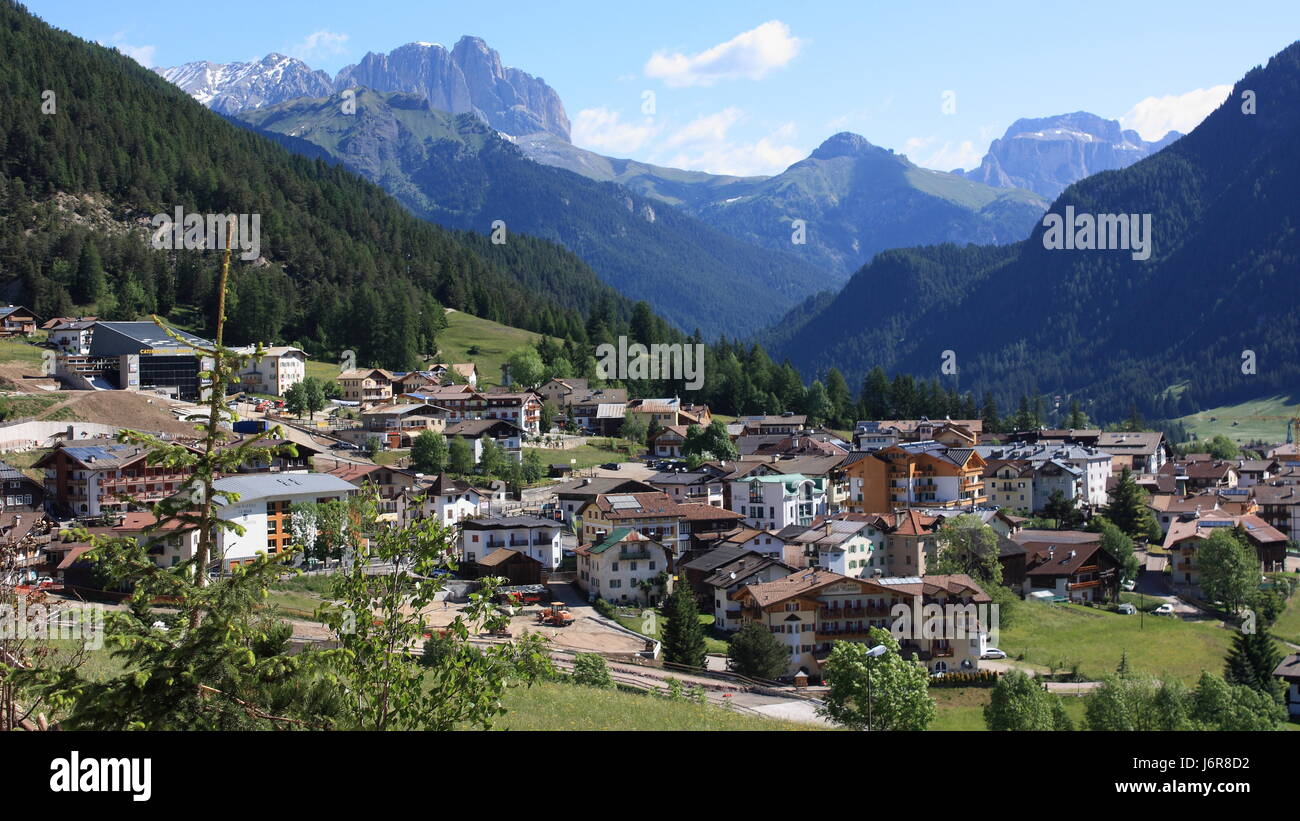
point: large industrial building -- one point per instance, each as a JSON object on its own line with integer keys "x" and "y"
{"x": 138, "y": 356}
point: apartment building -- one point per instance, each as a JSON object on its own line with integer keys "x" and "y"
{"x": 1188, "y": 532}
{"x": 523, "y": 410}
{"x": 398, "y": 424}
{"x": 366, "y": 386}
{"x": 533, "y": 536}
{"x": 924, "y": 474}
{"x": 691, "y": 486}
{"x": 94, "y": 477}
{"x": 625, "y": 566}
{"x": 844, "y": 546}
{"x": 809, "y": 611}
{"x": 1092, "y": 465}
{"x": 263, "y": 510}
{"x": 279, "y": 369}
{"x": 654, "y": 515}
{"x": 776, "y": 501}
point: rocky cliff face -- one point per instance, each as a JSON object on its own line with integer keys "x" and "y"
{"x": 233, "y": 87}
{"x": 1048, "y": 154}
{"x": 468, "y": 78}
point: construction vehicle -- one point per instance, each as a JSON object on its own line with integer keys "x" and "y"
{"x": 556, "y": 615}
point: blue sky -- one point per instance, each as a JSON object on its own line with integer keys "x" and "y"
{"x": 750, "y": 87}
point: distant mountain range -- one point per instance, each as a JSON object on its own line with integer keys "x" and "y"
{"x": 458, "y": 172}
{"x": 855, "y": 199}
{"x": 715, "y": 252}
{"x": 468, "y": 78}
{"x": 1171, "y": 333}
{"x": 1047, "y": 154}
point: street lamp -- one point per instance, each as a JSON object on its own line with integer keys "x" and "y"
{"x": 875, "y": 652}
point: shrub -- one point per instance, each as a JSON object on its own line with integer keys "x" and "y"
{"x": 604, "y": 608}
{"x": 591, "y": 670}
{"x": 980, "y": 678}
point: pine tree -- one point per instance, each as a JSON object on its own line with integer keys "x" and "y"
{"x": 1251, "y": 662}
{"x": 1128, "y": 509}
{"x": 756, "y": 653}
{"x": 683, "y": 635}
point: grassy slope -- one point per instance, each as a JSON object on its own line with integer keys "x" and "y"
{"x": 495, "y": 344}
{"x": 563, "y": 706}
{"x": 1287, "y": 626}
{"x": 1252, "y": 424}
{"x": 1095, "y": 640}
{"x": 589, "y": 455}
{"x": 712, "y": 643}
{"x": 962, "y": 708}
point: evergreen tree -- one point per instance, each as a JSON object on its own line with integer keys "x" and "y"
{"x": 683, "y": 635}
{"x": 1128, "y": 509}
{"x": 989, "y": 414}
{"x": 875, "y": 399}
{"x": 753, "y": 651}
{"x": 1078, "y": 420}
{"x": 1251, "y": 662}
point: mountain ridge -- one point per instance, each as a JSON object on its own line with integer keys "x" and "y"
{"x": 469, "y": 77}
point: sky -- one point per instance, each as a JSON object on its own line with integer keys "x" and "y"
{"x": 752, "y": 87}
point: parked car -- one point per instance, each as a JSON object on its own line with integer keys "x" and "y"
{"x": 1129, "y": 586}
{"x": 611, "y": 466}
{"x": 1126, "y": 609}
{"x": 993, "y": 653}
{"x": 1163, "y": 610}
{"x": 344, "y": 446}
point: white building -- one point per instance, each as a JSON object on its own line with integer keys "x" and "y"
{"x": 1092, "y": 464}
{"x": 279, "y": 369}
{"x": 533, "y": 536}
{"x": 621, "y": 567}
{"x": 263, "y": 510}
{"x": 446, "y": 499}
{"x": 73, "y": 337}
{"x": 777, "y": 501}
{"x": 849, "y": 548}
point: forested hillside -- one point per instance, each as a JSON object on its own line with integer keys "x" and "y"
{"x": 80, "y": 179}
{"x": 1221, "y": 281}
{"x": 455, "y": 170}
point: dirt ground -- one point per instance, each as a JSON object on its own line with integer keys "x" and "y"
{"x": 125, "y": 409}
{"x": 584, "y": 634}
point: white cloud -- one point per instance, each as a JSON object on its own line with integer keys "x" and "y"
{"x": 602, "y": 130}
{"x": 1156, "y": 116}
{"x": 750, "y": 55}
{"x": 705, "y": 147}
{"x": 141, "y": 54}
{"x": 928, "y": 152}
{"x": 709, "y": 128}
{"x": 321, "y": 43}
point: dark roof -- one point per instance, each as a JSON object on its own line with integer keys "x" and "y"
{"x": 1289, "y": 668}
{"x": 502, "y": 555}
{"x": 1065, "y": 562}
{"x": 735, "y": 572}
{"x": 718, "y": 556}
